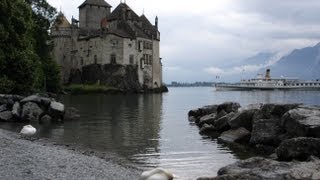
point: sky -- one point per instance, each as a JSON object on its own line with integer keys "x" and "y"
{"x": 198, "y": 38}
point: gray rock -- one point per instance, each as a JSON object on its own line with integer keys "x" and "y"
{"x": 207, "y": 119}
{"x": 190, "y": 118}
{"x": 240, "y": 135}
{"x": 207, "y": 129}
{"x": 266, "y": 132}
{"x": 3, "y": 108}
{"x": 222, "y": 124}
{"x": 242, "y": 119}
{"x": 30, "y": 112}
{"x": 205, "y": 110}
{"x": 268, "y": 111}
{"x": 16, "y": 110}
{"x": 303, "y": 121}
{"x": 251, "y": 106}
{"x": 298, "y": 148}
{"x": 228, "y": 107}
{"x": 56, "y": 110}
{"x": 6, "y": 116}
{"x": 266, "y": 169}
{"x": 32, "y": 98}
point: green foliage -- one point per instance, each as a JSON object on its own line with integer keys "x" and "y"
{"x": 92, "y": 88}
{"x": 25, "y": 61}
{"x": 18, "y": 61}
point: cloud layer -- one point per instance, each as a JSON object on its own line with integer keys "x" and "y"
{"x": 198, "y": 38}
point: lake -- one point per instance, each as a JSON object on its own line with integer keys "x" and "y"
{"x": 152, "y": 130}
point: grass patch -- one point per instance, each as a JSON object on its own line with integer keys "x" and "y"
{"x": 91, "y": 89}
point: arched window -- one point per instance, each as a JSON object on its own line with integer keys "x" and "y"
{"x": 95, "y": 59}
{"x": 113, "y": 59}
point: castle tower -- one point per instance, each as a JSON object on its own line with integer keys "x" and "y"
{"x": 91, "y": 12}
{"x": 61, "y": 38}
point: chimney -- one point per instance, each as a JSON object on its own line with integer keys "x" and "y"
{"x": 267, "y": 77}
{"x": 156, "y": 22}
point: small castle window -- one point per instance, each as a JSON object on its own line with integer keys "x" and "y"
{"x": 81, "y": 61}
{"x": 95, "y": 59}
{"x": 131, "y": 59}
{"x": 113, "y": 59}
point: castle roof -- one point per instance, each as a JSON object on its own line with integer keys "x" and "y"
{"x": 146, "y": 23}
{"x": 95, "y": 3}
{"x": 61, "y": 21}
{"x": 120, "y": 9}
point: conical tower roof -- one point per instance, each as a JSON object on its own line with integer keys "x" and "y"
{"x": 95, "y": 3}
{"x": 61, "y": 21}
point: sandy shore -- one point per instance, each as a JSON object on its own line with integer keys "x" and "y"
{"x": 24, "y": 159}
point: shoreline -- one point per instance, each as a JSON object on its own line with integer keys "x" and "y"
{"x": 41, "y": 159}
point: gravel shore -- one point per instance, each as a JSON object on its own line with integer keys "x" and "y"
{"x": 24, "y": 159}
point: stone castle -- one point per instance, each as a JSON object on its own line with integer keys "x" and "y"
{"x": 108, "y": 47}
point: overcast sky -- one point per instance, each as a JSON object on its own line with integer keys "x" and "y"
{"x": 199, "y": 37}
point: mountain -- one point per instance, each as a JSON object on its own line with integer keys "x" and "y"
{"x": 301, "y": 63}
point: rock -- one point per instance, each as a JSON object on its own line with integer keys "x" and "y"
{"x": 32, "y": 98}
{"x": 31, "y": 111}
{"x": 56, "y": 110}
{"x": 303, "y": 121}
{"x": 6, "y": 116}
{"x": 3, "y": 108}
{"x": 207, "y": 119}
{"x": 240, "y": 135}
{"x": 205, "y": 110}
{"x": 251, "y": 106}
{"x": 298, "y": 148}
{"x": 207, "y": 129}
{"x": 228, "y": 107}
{"x": 16, "y": 110}
{"x": 242, "y": 119}
{"x": 222, "y": 124}
{"x": 266, "y": 132}
{"x": 72, "y": 113}
{"x": 268, "y": 111}
{"x": 192, "y": 119}
{"x": 265, "y": 169}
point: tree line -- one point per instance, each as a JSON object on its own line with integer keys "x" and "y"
{"x": 26, "y": 65}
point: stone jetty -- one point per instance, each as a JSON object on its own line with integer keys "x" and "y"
{"x": 287, "y": 134}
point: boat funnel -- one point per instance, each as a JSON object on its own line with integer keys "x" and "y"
{"x": 267, "y": 74}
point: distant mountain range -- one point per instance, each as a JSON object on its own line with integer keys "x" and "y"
{"x": 301, "y": 63}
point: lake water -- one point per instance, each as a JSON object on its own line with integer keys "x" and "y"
{"x": 146, "y": 131}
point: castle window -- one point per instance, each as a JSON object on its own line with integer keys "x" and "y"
{"x": 131, "y": 59}
{"x": 95, "y": 59}
{"x": 81, "y": 61}
{"x": 113, "y": 59}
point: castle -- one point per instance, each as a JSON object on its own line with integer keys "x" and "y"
{"x": 107, "y": 38}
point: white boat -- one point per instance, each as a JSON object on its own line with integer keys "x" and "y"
{"x": 267, "y": 83}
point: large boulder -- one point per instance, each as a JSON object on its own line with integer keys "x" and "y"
{"x": 303, "y": 121}
{"x": 222, "y": 124}
{"x": 56, "y": 110}
{"x": 258, "y": 168}
{"x": 298, "y": 148}
{"x": 6, "y": 116}
{"x": 240, "y": 135}
{"x": 42, "y": 102}
{"x": 30, "y": 112}
{"x": 207, "y": 129}
{"x": 242, "y": 119}
{"x": 228, "y": 107}
{"x": 205, "y": 110}
{"x": 266, "y": 132}
{"x": 268, "y": 111}
{"x": 207, "y": 119}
